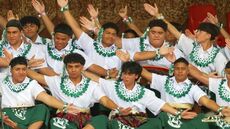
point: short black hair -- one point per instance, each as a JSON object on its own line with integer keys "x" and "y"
{"x": 181, "y": 60}
{"x": 227, "y": 66}
{"x": 14, "y": 23}
{"x": 63, "y": 28}
{"x": 131, "y": 67}
{"x": 111, "y": 25}
{"x": 158, "y": 23}
{"x": 30, "y": 20}
{"x": 209, "y": 28}
{"x": 20, "y": 60}
{"x": 131, "y": 31}
{"x": 74, "y": 58}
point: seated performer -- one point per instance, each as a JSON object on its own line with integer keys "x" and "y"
{"x": 179, "y": 92}
{"x": 127, "y": 93}
{"x": 18, "y": 99}
{"x": 72, "y": 87}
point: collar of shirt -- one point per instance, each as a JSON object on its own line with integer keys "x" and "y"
{"x": 10, "y": 48}
{"x": 206, "y": 51}
{"x": 26, "y": 80}
{"x": 187, "y": 81}
{"x": 70, "y": 83}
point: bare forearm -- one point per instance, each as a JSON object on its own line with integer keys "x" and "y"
{"x": 48, "y": 23}
{"x": 135, "y": 28}
{"x": 224, "y": 33}
{"x": 36, "y": 76}
{"x": 105, "y": 101}
{"x": 141, "y": 56}
{"x": 3, "y": 22}
{"x": 200, "y": 76}
{"x": 169, "y": 109}
{"x": 50, "y": 100}
{"x": 98, "y": 70}
{"x": 172, "y": 29}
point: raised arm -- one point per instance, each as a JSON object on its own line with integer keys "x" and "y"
{"x": 214, "y": 20}
{"x": 197, "y": 74}
{"x": 36, "y": 76}
{"x": 146, "y": 74}
{"x": 153, "y": 11}
{"x": 123, "y": 13}
{"x": 69, "y": 18}
{"x": 3, "y": 22}
{"x": 91, "y": 76}
{"x": 40, "y": 8}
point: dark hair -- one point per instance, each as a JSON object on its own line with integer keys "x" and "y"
{"x": 14, "y": 23}
{"x": 30, "y": 20}
{"x": 178, "y": 26}
{"x": 63, "y": 28}
{"x": 181, "y": 60}
{"x": 20, "y": 60}
{"x": 74, "y": 58}
{"x": 227, "y": 66}
{"x": 209, "y": 28}
{"x": 131, "y": 31}
{"x": 131, "y": 67}
{"x": 158, "y": 23}
{"x": 111, "y": 25}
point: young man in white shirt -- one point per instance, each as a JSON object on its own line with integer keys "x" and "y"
{"x": 18, "y": 99}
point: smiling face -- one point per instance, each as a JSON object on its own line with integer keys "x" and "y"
{"x": 109, "y": 37}
{"x": 61, "y": 40}
{"x": 156, "y": 36}
{"x": 18, "y": 73}
{"x": 181, "y": 71}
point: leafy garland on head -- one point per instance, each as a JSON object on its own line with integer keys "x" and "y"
{"x": 100, "y": 49}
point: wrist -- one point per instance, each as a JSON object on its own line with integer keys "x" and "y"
{"x": 157, "y": 51}
{"x": 219, "y": 25}
{"x": 43, "y": 13}
{"x": 178, "y": 114}
{"x": 127, "y": 20}
{"x": 160, "y": 16}
{"x": 64, "y": 8}
{"x": 107, "y": 74}
{"x": 117, "y": 110}
{"x": 219, "y": 110}
{"x": 64, "y": 108}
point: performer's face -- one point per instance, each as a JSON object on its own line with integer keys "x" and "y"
{"x": 74, "y": 69}
{"x": 129, "y": 79}
{"x": 157, "y": 36}
{"x": 14, "y": 35}
{"x": 227, "y": 73}
{"x": 202, "y": 36}
{"x": 30, "y": 30}
{"x": 61, "y": 40}
{"x": 181, "y": 71}
{"x": 18, "y": 73}
{"x": 109, "y": 37}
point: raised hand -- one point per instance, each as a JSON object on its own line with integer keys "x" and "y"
{"x": 11, "y": 16}
{"x": 92, "y": 11}
{"x": 123, "y": 12}
{"x": 62, "y": 3}
{"x": 8, "y": 55}
{"x": 89, "y": 25}
{"x": 123, "y": 56}
{"x": 33, "y": 63}
{"x": 188, "y": 115}
{"x": 39, "y": 7}
{"x": 226, "y": 112}
{"x": 212, "y": 19}
{"x": 166, "y": 50}
{"x": 152, "y": 10}
{"x": 113, "y": 73}
{"x": 189, "y": 34}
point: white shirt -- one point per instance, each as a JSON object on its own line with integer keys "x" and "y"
{"x": 24, "y": 98}
{"x": 133, "y": 45}
{"x": 35, "y": 51}
{"x": 194, "y": 94}
{"x": 149, "y": 100}
{"x": 186, "y": 45}
{"x": 92, "y": 95}
{"x": 87, "y": 44}
{"x": 214, "y": 86}
{"x": 58, "y": 65}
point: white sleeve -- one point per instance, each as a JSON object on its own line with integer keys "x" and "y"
{"x": 219, "y": 63}
{"x": 197, "y": 93}
{"x": 131, "y": 44}
{"x": 214, "y": 84}
{"x": 178, "y": 53}
{"x": 85, "y": 42}
{"x": 36, "y": 89}
{"x": 51, "y": 81}
{"x": 157, "y": 82}
{"x": 88, "y": 61}
{"x": 98, "y": 92}
{"x": 226, "y": 52}
{"x": 106, "y": 86}
{"x": 185, "y": 44}
{"x": 153, "y": 103}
